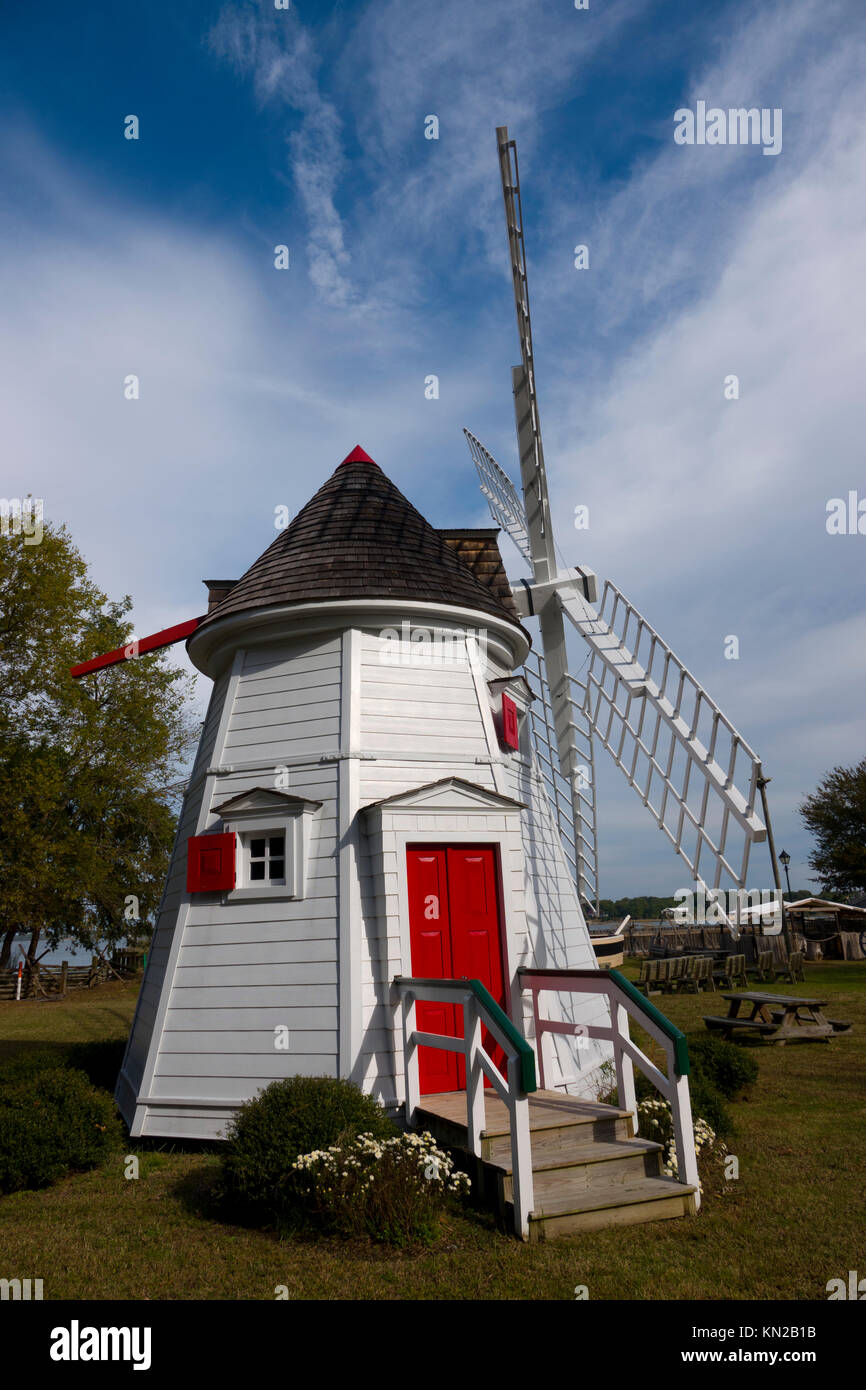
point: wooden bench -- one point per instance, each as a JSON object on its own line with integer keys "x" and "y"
{"x": 733, "y": 972}
{"x": 838, "y": 1025}
{"x": 727, "y": 1025}
{"x": 795, "y": 966}
{"x": 764, "y": 969}
{"x": 698, "y": 974}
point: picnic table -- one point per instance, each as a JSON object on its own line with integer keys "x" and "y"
{"x": 778, "y": 1018}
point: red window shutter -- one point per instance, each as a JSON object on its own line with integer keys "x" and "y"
{"x": 210, "y": 863}
{"x": 510, "y": 733}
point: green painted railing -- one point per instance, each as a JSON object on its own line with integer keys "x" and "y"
{"x": 681, "y": 1047}
{"x": 500, "y": 1017}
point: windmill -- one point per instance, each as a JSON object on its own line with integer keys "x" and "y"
{"x": 695, "y": 774}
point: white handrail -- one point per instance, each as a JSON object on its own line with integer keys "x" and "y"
{"x": 674, "y": 1087}
{"x": 478, "y": 1064}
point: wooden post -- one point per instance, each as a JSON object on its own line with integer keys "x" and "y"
{"x": 410, "y": 1059}
{"x": 64, "y": 969}
{"x": 521, "y": 1149}
{"x": 684, "y": 1133}
{"x": 626, "y": 1096}
{"x": 539, "y": 1038}
{"x": 777, "y": 878}
{"x": 476, "y": 1118}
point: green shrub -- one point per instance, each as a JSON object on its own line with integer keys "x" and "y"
{"x": 52, "y": 1122}
{"x": 725, "y": 1066}
{"x": 290, "y": 1118}
{"x": 708, "y": 1103}
{"x": 100, "y": 1061}
{"x": 29, "y": 1062}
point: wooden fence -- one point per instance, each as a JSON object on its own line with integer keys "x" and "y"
{"x": 637, "y": 941}
{"x": 53, "y": 981}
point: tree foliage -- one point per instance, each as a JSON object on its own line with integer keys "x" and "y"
{"x": 836, "y": 817}
{"x": 638, "y": 908}
{"x": 85, "y": 816}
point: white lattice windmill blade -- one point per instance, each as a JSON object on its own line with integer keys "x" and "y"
{"x": 690, "y": 767}
{"x": 505, "y": 506}
{"x": 572, "y": 797}
{"x": 687, "y": 763}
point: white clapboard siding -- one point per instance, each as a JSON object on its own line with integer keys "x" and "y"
{"x": 252, "y": 1041}
{"x": 241, "y": 1019}
{"x": 228, "y": 996}
{"x": 557, "y": 937}
{"x": 384, "y": 778}
{"x": 190, "y": 1122}
{"x": 254, "y": 716}
{"x": 248, "y": 914}
{"x": 406, "y": 677}
{"x": 306, "y": 972}
{"x": 238, "y": 1089}
{"x": 286, "y": 660}
{"x": 247, "y": 967}
{"x": 154, "y": 982}
{"x": 287, "y": 702}
{"x": 228, "y": 1065}
{"x": 240, "y": 954}
{"x": 401, "y": 706}
{"x": 306, "y": 930}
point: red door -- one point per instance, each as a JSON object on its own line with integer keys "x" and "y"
{"x": 455, "y": 932}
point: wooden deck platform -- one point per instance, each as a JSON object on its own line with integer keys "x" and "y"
{"x": 589, "y": 1169}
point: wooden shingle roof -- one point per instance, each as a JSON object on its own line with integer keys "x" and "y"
{"x": 359, "y": 537}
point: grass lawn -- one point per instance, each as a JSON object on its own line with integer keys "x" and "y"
{"x": 792, "y": 1221}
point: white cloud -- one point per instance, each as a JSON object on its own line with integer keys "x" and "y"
{"x": 710, "y": 514}
{"x": 276, "y": 51}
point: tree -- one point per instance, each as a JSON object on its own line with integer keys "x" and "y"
{"x": 836, "y": 817}
{"x": 87, "y": 823}
{"x": 639, "y": 908}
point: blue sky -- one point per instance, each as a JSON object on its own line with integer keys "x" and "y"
{"x": 306, "y": 127}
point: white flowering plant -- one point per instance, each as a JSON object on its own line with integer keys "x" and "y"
{"x": 655, "y": 1121}
{"x": 391, "y": 1190}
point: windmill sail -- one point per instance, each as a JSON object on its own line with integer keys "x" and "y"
{"x": 686, "y": 761}
{"x": 690, "y": 767}
{"x": 505, "y": 506}
{"x": 572, "y": 801}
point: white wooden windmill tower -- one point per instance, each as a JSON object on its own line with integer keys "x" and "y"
{"x": 367, "y": 879}
{"x": 380, "y": 856}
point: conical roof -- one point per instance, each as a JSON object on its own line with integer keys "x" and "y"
{"x": 357, "y": 538}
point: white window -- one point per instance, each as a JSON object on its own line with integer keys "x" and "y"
{"x": 273, "y": 831}
{"x": 270, "y": 858}
{"x": 265, "y": 859}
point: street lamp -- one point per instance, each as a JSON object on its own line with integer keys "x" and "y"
{"x": 784, "y": 860}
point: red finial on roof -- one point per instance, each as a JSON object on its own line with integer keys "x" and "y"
{"x": 358, "y": 456}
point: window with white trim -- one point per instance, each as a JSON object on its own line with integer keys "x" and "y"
{"x": 265, "y": 857}
{"x": 273, "y": 831}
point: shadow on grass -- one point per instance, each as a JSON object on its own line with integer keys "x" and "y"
{"x": 100, "y": 1061}
{"x": 198, "y": 1191}
{"x": 201, "y": 1195}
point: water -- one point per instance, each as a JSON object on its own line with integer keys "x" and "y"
{"x": 67, "y": 950}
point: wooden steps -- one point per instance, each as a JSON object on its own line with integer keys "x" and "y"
{"x": 589, "y": 1170}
